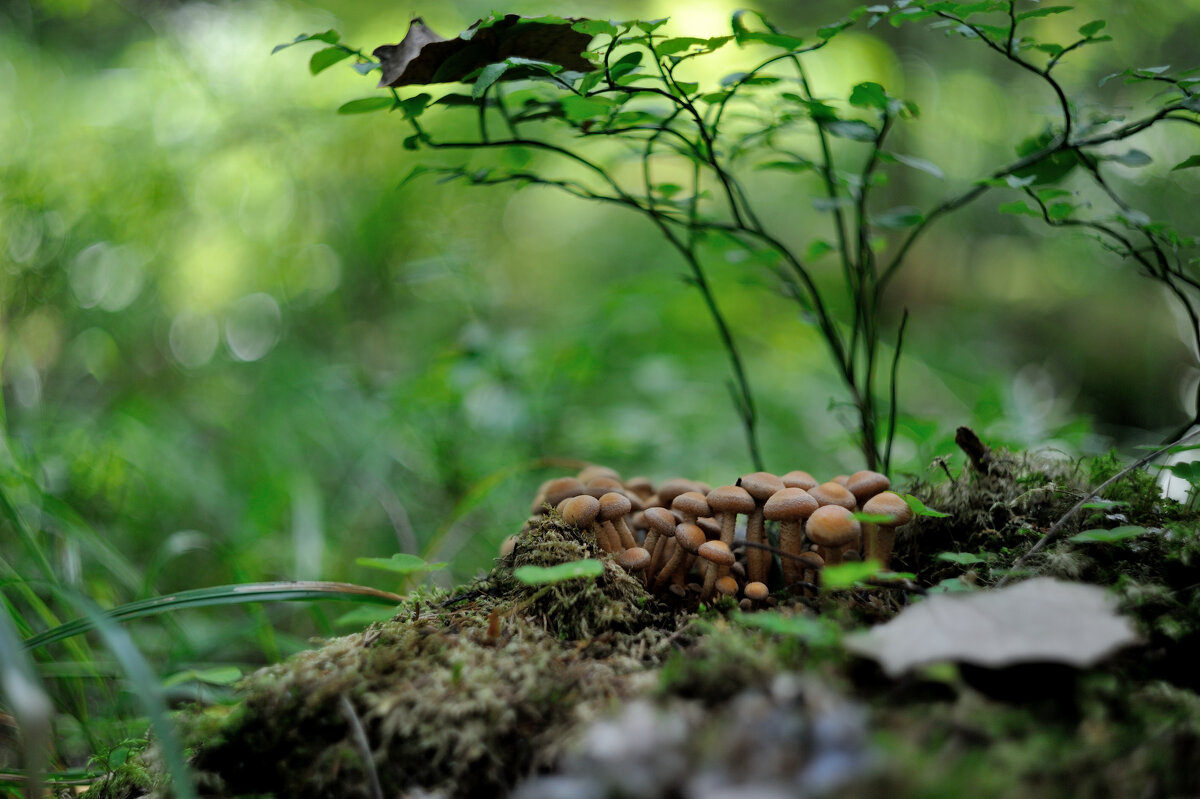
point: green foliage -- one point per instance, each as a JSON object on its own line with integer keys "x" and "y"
{"x": 548, "y": 575}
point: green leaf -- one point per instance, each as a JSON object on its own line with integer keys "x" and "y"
{"x": 961, "y": 558}
{"x": 329, "y": 37}
{"x": 787, "y": 166}
{"x": 677, "y": 45}
{"x": 853, "y": 129}
{"x": 361, "y": 617}
{"x": 1131, "y": 158}
{"x": 414, "y": 106}
{"x": 651, "y": 25}
{"x": 919, "y": 163}
{"x": 1059, "y": 211}
{"x": 872, "y": 518}
{"x": 625, "y": 64}
{"x": 1103, "y": 504}
{"x": 1019, "y": 208}
{"x": 869, "y": 95}
{"x": 920, "y": 509}
{"x": 1188, "y": 163}
{"x": 1044, "y": 12}
{"x": 817, "y": 249}
{"x": 595, "y": 27}
{"x": 366, "y": 105}
{"x": 580, "y": 109}
{"x": 324, "y": 59}
{"x": 814, "y": 630}
{"x": 400, "y": 563}
{"x": 218, "y": 675}
{"x": 1109, "y": 536}
{"x": 487, "y": 76}
{"x": 1092, "y": 28}
{"x": 545, "y": 575}
{"x": 898, "y": 218}
{"x": 845, "y": 575}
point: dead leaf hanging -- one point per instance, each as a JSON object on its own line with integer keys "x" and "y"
{"x": 425, "y": 57}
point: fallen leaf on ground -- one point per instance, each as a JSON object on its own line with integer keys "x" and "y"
{"x": 1040, "y": 620}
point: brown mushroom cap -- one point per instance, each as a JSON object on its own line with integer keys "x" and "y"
{"x": 730, "y": 499}
{"x": 833, "y": 494}
{"x": 790, "y": 504}
{"x": 866, "y": 484}
{"x": 660, "y": 519}
{"x": 889, "y": 504}
{"x": 833, "y": 527}
{"x": 673, "y": 488}
{"x": 811, "y": 560}
{"x": 561, "y": 488}
{"x": 634, "y": 559}
{"x": 799, "y": 479}
{"x": 580, "y": 511}
{"x": 613, "y": 505}
{"x": 592, "y": 471}
{"x": 726, "y": 586}
{"x": 717, "y": 552}
{"x": 640, "y": 486}
{"x": 756, "y": 591}
{"x": 760, "y": 485}
{"x": 599, "y": 486}
{"x": 690, "y": 537}
{"x": 691, "y": 504}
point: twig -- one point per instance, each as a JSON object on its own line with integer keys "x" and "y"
{"x": 364, "y": 748}
{"x": 1057, "y": 530}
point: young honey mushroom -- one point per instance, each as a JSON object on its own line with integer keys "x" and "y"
{"x": 679, "y": 532}
{"x": 790, "y": 507}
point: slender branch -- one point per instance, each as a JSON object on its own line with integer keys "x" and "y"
{"x": 1056, "y": 532}
{"x": 891, "y": 433}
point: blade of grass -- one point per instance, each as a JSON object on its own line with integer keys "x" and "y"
{"x": 219, "y": 595}
{"x": 145, "y": 685}
{"x": 25, "y": 697}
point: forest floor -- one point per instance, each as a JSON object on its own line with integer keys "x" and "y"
{"x": 593, "y": 687}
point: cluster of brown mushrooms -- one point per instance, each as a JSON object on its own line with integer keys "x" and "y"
{"x": 680, "y": 536}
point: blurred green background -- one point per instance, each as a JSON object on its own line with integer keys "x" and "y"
{"x": 233, "y": 349}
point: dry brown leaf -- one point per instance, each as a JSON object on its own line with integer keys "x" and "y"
{"x": 1040, "y": 620}
{"x": 425, "y": 57}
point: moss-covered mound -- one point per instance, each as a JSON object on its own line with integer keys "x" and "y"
{"x": 594, "y": 686}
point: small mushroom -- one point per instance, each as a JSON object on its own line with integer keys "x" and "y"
{"x": 719, "y": 555}
{"x": 634, "y": 560}
{"x": 661, "y": 528}
{"x": 798, "y": 479}
{"x": 756, "y": 591}
{"x": 581, "y": 512}
{"x": 760, "y": 485}
{"x": 562, "y": 488}
{"x": 879, "y": 538}
{"x": 599, "y": 486}
{"x": 727, "y": 586}
{"x": 508, "y": 545}
{"x": 833, "y": 528}
{"x": 832, "y": 493}
{"x": 592, "y": 471}
{"x": 811, "y": 563}
{"x": 692, "y": 505}
{"x": 866, "y": 484}
{"x": 673, "y": 488}
{"x": 613, "y": 507}
{"x": 790, "y": 507}
{"x": 726, "y": 502}
{"x": 640, "y": 486}
{"x": 688, "y": 540}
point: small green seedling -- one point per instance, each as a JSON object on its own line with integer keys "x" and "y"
{"x": 546, "y": 575}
